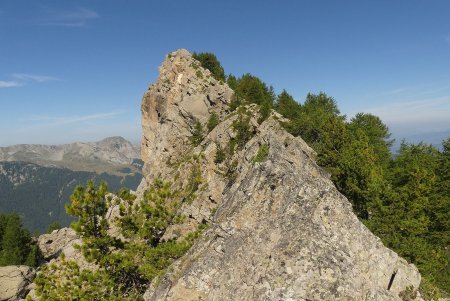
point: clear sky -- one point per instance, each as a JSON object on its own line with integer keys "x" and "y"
{"x": 76, "y": 70}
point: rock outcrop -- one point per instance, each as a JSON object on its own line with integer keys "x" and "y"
{"x": 184, "y": 93}
{"x": 60, "y": 241}
{"x": 14, "y": 282}
{"x": 279, "y": 228}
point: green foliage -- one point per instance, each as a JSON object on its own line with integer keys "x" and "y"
{"x": 287, "y": 106}
{"x": 430, "y": 292}
{"x": 124, "y": 268}
{"x": 314, "y": 118}
{"x": 262, "y": 154}
{"x": 125, "y": 194}
{"x": 254, "y": 90}
{"x": 157, "y": 211}
{"x": 55, "y": 185}
{"x": 377, "y": 133}
{"x": 235, "y": 103}
{"x": 197, "y": 135}
{"x": 242, "y": 128}
{"x": 70, "y": 282}
{"x": 156, "y": 260}
{"x": 250, "y": 89}
{"x": 264, "y": 111}
{"x": 88, "y": 204}
{"x": 409, "y": 294}
{"x": 412, "y": 217}
{"x": 358, "y": 174}
{"x": 220, "y": 154}
{"x": 16, "y": 245}
{"x": 53, "y": 226}
{"x": 321, "y": 125}
{"x": 232, "y": 82}
{"x": 209, "y": 61}
{"x": 213, "y": 121}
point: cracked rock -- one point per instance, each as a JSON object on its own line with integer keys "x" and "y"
{"x": 14, "y": 281}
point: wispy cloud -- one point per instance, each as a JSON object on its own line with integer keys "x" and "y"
{"x": 78, "y": 17}
{"x": 34, "y": 77}
{"x": 21, "y": 79}
{"x": 9, "y": 84}
{"x": 394, "y": 91}
{"x": 47, "y": 121}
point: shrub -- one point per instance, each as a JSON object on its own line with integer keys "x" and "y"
{"x": 264, "y": 111}
{"x": 125, "y": 194}
{"x": 220, "y": 155}
{"x": 242, "y": 128}
{"x": 53, "y": 226}
{"x": 213, "y": 121}
{"x": 124, "y": 268}
{"x": 262, "y": 154}
{"x": 197, "y": 135}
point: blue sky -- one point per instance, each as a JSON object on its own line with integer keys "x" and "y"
{"x": 76, "y": 70}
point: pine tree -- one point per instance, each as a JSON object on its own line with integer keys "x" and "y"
{"x": 89, "y": 206}
{"x": 377, "y": 132}
{"x": 209, "y": 61}
{"x": 287, "y": 106}
{"x": 15, "y": 242}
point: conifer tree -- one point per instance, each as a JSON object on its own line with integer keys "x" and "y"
{"x": 15, "y": 242}
{"x": 209, "y": 61}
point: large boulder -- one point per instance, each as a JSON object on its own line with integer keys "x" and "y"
{"x": 57, "y": 242}
{"x": 63, "y": 241}
{"x": 14, "y": 282}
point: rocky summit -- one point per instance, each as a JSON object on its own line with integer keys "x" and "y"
{"x": 279, "y": 228}
{"x": 273, "y": 225}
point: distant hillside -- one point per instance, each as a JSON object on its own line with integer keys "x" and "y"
{"x": 113, "y": 155}
{"x": 37, "y": 180}
{"x": 39, "y": 193}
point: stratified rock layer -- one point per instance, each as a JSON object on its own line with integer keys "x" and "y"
{"x": 279, "y": 229}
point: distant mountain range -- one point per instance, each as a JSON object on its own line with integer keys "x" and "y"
{"x": 36, "y": 181}
{"x": 109, "y": 155}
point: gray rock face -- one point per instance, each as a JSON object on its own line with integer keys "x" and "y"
{"x": 184, "y": 93}
{"x": 279, "y": 229}
{"x": 14, "y": 281}
{"x": 63, "y": 241}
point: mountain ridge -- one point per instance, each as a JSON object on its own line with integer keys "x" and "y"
{"x": 278, "y": 227}
{"x": 36, "y": 180}
{"x": 107, "y": 155}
